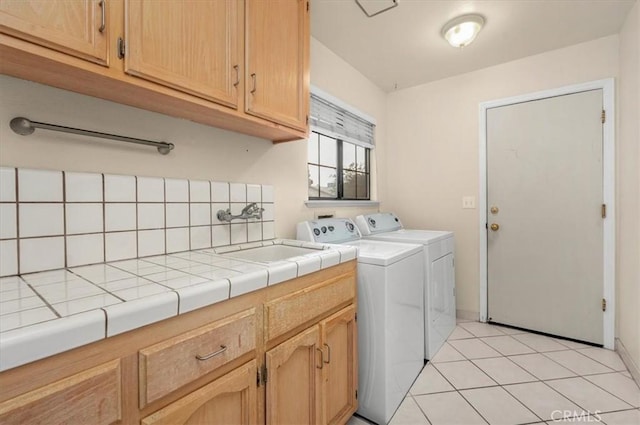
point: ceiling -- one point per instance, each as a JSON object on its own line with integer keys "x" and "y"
{"x": 402, "y": 47}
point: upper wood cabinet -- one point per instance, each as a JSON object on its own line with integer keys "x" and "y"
{"x": 191, "y": 46}
{"x": 77, "y": 28}
{"x": 277, "y": 54}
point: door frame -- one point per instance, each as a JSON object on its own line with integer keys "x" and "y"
{"x": 608, "y": 179}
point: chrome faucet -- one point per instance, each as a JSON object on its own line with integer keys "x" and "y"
{"x": 252, "y": 210}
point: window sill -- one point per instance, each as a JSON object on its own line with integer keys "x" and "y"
{"x": 334, "y": 203}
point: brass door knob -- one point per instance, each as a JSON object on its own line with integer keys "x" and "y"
{"x": 495, "y": 227}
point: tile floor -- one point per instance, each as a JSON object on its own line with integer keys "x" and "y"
{"x": 488, "y": 374}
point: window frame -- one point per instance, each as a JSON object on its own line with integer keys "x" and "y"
{"x": 340, "y": 168}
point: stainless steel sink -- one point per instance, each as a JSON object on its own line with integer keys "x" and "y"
{"x": 270, "y": 253}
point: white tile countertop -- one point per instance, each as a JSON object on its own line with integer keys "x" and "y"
{"x": 45, "y": 313}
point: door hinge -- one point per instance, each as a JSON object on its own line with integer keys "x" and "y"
{"x": 604, "y": 305}
{"x": 356, "y": 394}
{"x": 307, "y": 119}
{"x": 121, "y": 48}
{"x": 603, "y": 211}
{"x": 307, "y": 6}
{"x": 356, "y": 317}
{"x": 604, "y": 116}
{"x": 261, "y": 375}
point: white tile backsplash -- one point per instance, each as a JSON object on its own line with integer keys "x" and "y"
{"x": 41, "y": 254}
{"x": 119, "y": 217}
{"x": 85, "y": 249}
{"x": 7, "y": 184}
{"x": 39, "y": 185}
{"x": 119, "y": 188}
{"x": 41, "y": 220}
{"x": 8, "y": 221}
{"x": 89, "y": 218}
{"x": 83, "y": 187}
{"x": 200, "y": 191}
{"x": 176, "y": 190}
{"x": 84, "y": 218}
{"x": 150, "y": 189}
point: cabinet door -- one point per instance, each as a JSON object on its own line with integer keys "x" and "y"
{"x": 340, "y": 376}
{"x": 293, "y": 383}
{"x": 277, "y": 43}
{"x": 189, "y": 45}
{"x": 89, "y": 397}
{"x": 229, "y": 400}
{"x": 78, "y": 28}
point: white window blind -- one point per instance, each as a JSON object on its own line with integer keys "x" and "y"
{"x": 340, "y": 123}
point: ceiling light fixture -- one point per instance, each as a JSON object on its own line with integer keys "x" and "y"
{"x": 461, "y": 31}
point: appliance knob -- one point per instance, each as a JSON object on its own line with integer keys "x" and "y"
{"x": 331, "y": 228}
{"x": 324, "y": 229}
{"x": 372, "y": 222}
{"x": 316, "y": 231}
{"x": 349, "y": 226}
{"x": 396, "y": 219}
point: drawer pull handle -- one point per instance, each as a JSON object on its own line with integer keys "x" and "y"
{"x": 103, "y": 18}
{"x": 328, "y": 354}
{"x": 222, "y": 349}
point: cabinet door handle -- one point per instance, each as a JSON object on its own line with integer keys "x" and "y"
{"x": 237, "y": 68}
{"x": 328, "y": 354}
{"x": 103, "y": 21}
{"x": 253, "y": 78}
{"x": 222, "y": 349}
{"x": 321, "y": 359}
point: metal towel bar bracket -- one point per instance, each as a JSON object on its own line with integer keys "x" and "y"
{"x": 25, "y": 126}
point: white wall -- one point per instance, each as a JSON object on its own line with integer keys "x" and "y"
{"x": 201, "y": 152}
{"x": 432, "y": 143}
{"x": 628, "y": 176}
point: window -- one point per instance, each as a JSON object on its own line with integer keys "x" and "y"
{"x": 339, "y": 150}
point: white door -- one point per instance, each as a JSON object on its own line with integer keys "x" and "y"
{"x": 544, "y": 212}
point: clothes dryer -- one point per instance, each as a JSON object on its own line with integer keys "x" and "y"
{"x": 439, "y": 283}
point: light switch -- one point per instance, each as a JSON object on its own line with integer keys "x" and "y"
{"x": 469, "y": 202}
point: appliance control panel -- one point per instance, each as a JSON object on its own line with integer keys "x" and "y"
{"x": 371, "y": 224}
{"x": 328, "y": 230}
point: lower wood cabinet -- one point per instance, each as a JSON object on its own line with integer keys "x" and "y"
{"x": 230, "y": 399}
{"x": 312, "y": 377}
{"x": 285, "y": 354}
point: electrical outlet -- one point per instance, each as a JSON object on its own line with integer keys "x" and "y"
{"x": 323, "y": 214}
{"x": 469, "y": 202}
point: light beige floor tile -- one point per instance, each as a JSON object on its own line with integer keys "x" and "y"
{"x": 511, "y": 331}
{"x": 572, "y": 344}
{"x": 460, "y": 333}
{"x": 542, "y": 400}
{"x": 618, "y": 385}
{"x": 430, "y": 381}
{"x": 464, "y": 375}
{"x": 540, "y": 343}
{"x": 608, "y": 358}
{"x": 481, "y": 329}
{"x": 626, "y": 373}
{"x": 447, "y": 353}
{"x": 448, "y": 409}
{"x": 541, "y": 367}
{"x": 504, "y": 371}
{"x": 459, "y": 320}
{"x": 409, "y": 414}
{"x": 507, "y": 345}
{"x": 474, "y": 348}
{"x": 588, "y": 396}
{"x": 576, "y": 362}
{"x": 498, "y": 407}
{"x": 626, "y": 417}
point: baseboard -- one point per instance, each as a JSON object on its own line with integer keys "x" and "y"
{"x": 468, "y": 315}
{"x": 628, "y": 361}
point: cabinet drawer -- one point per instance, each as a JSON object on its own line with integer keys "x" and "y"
{"x": 168, "y": 365}
{"x": 290, "y": 311}
{"x": 89, "y": 397}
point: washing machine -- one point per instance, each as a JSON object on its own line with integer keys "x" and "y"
{"x": 439, "y": 283}
{"x": 390, "y": 310}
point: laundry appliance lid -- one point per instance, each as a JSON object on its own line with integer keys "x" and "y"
{"x": 424, "y": 237}
{"x": 381, "y": 253}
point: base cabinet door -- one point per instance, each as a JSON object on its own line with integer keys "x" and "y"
{"x": 293, "y": 393}
{"x": 77, "y": 28}
{"x": 340, "y": 371}
{"x": 230, "y": 400}
{"x": 191, "y": 46}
